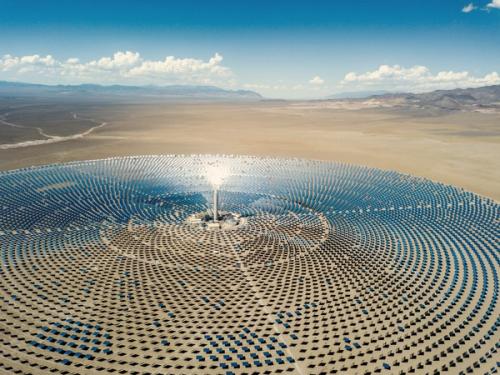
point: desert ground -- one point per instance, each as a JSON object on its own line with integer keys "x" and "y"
{"x": 458, "y": 148}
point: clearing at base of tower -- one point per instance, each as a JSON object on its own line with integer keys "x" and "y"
{"x": 322, "y": 268}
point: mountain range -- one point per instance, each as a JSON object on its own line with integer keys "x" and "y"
{"x": 180, "y": 92}
{"x": 483, "y": 99}
{"x": 486, "y": 98}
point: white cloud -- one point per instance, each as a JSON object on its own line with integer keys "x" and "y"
{"x": 416, "y": 78}
{"x": 72, "y": 60}
{"x": 494, "y": 4}
{"x": 282, "y": 86}
{"x": 118, "y": 60}
{"x": 317, "y": 80}
{"x": 173, "y": 66}
{"x": 315, "y": 85}
{"x": 289, "y": 90}
{"x": 122, "y": 67}
{"x": 469, "y": 8}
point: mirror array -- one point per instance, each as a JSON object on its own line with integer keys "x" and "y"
{"x": 338, "y": 269}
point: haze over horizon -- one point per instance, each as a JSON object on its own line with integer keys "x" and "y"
{"x": 281, "y": 50}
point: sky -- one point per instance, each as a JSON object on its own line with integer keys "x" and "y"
{"x": 281, "y": 49}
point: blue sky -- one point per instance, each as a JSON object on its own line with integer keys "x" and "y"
{"x": 279, "y": 48}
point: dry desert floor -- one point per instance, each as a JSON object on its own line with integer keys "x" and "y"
{"x": 461, "y": 148}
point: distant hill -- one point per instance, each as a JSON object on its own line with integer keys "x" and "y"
{"x": 485, "y": 99}
{"x": 357, "y": 94}
{"x": 458, "y": 98}
{"x": 180, "y": 92}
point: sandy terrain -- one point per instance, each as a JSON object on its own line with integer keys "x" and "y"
{"x": 462, "y": 149}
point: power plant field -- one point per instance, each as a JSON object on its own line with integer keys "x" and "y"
{"x": 126, "y": 265}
